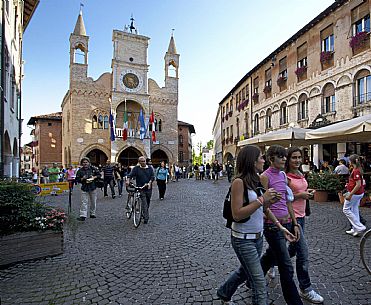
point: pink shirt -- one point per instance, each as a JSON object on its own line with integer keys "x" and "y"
{"x": 298, "y": 184}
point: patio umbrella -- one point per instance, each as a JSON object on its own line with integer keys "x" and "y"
{"x": 353, "y": 130}
{"x": 284, "y": 137}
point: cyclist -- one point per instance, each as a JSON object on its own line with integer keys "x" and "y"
{"x": 143, "y": 174}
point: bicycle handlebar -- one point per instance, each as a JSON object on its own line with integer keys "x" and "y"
{"x": 138, "y": 188}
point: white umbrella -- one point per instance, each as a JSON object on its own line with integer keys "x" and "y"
{"x": 353, "y": 130}
{"x": 284, "y": 137}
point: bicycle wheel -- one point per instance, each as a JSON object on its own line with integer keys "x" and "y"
{"x": 137, "y": 211}
{"x": 129, "y": 206}
{"x": 365, "y": 249}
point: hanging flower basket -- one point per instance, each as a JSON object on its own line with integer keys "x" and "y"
{"x": 255, "y": 97}
{"x": 325, "y": 56}
{"x": 267, "y": 89}
{"x": 300, "y": 71}
{"x": 358, "y": 40}
{"x": 281, "y": 81}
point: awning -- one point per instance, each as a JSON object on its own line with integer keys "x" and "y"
{"x": 353, "y": 130}
{"x": 284, "y": 137}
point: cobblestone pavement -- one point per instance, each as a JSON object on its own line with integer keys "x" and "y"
{"x": 180, "y": 257}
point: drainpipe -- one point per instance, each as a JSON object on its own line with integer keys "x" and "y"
{"x": 2, "y": 93}
{"x": 251, "y": 103}
{"x": 20, "y": 106}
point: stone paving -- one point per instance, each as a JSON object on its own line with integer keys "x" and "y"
{"x": 180, "y": 257}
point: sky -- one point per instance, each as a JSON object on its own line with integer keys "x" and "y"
{"x": 219, "y": 41}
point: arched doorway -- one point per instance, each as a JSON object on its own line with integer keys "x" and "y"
{"x": 97, "y": 157}
{"x": 228, "y": 157}
{"x": 157, "y": 156}
{"x": 129, "y": 156}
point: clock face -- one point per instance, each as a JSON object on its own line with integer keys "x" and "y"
{"x": 130, "y": 81}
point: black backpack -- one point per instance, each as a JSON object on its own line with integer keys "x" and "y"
{"x": 227, "y": 208}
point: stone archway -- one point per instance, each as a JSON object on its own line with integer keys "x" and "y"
{"x": 8, "y": 156}
{"x": 157, "y": 156}
{"x": 129, "y": 156}
{"x": 228, "y": 157}
{"x": 97, "y": 157}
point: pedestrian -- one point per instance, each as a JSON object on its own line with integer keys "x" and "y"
{"x": 86, "y": 176}
{"x": 108, "y": 178}
{"x": 248, "y": 200}
{"x": 70, "y": 176}
{"x": 216, "y": 170}
{"x": 208, "y": 169}
{"x": 277, "y": 252}
{"x": 201, "y": 169}
{"x": 120, "y": 174}
{"x": 143, "y": 175}
{"x": 299, "y": 186}
{"x": 177, "y": 172}
{"x": 34, "y": 175}
{"x": 45, "y": 175}
{"x": 162, "y": 176}
{"x": 341, "y": 169}
{"x": 54, "y": 173}
{"x": 229, "y": 169}
{"x": 197, "y": 171}
{"x": 355, "y": 192}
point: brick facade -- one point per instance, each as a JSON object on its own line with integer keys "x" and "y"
{"x": 185, "y": 143}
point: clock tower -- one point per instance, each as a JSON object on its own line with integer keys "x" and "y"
{"x": 130, "y": 84}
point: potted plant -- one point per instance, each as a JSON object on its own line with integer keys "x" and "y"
{"x": 267, "y": 89}
{"x": 300, "y": 71}
{"x": 358, "y": 40}
{"x": 28, "y": 229}
{"x": 281, "y": 81}
{"x": 324, "y": 183}
{"x": 325, "y": 56}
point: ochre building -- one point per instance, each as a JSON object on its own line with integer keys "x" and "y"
{"x": 88, "y": 103}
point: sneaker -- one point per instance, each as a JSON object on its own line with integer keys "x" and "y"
{"x": 113, "y": 196}
{"x": 223, "y": 302}
{"x": 93, "y": 216}
{"x": 81, "y": 218}
{"x": 272, "y": 273}
{"x": 311, "y": 296}
{"x": 350, "y": 232}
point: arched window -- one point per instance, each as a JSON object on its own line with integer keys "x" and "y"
{"x": 180, "y": 139}
{"x": 256, "y": 124}
{"x": 328, "y": 101}
{"x": 105, "y": 122}
{"x": 363, "y": 89}
{"x": 283, "y": 114}
{"x": 79, "y": 56}
{"x": 303, "y": 107}
{"x": 246, "y": 124}
{"x": 95, "y": 122}
{"x": 159, "y": 125}
{"x": 100, "y": 122}
{"x": 238, "y": 128}
{"x": 268, "y": 119}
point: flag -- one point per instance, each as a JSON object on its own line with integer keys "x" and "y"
{"x": 112, "y": 128}
{"x": 142, "y": 131}
{"x": 125, "y": 128}
{"x": 152, "y": 122}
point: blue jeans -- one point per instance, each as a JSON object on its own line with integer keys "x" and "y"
{"x": 278, "y": 252}
{"x": 248, "y": 252}
{"x": 300, "y": 249}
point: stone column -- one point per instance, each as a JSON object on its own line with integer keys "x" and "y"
{"x": 8, "y": 165}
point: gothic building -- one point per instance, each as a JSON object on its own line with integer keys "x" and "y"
{"x": 86, "y": 108}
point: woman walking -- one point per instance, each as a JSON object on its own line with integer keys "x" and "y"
{"x": 355, "y": 190}
{"x": 162, "y": 176}
{"x": 276, "y": 232}
{"x": 247, "y": 201}
{"x": 299, "y": 187}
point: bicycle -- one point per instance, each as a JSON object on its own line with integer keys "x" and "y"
{"x": 365, "y": 250}
{"x": 134, "y": 203}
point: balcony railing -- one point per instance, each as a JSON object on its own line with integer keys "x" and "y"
{"x": 132, "y": 133}
{"x": 362, "y": 99}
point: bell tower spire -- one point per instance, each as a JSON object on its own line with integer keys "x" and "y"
{"x": 79, "y": 46}
{"x": 171, "y": 64}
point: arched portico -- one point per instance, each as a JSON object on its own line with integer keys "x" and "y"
{"x": 129, "y": 156}
{"x": 8, "y": 156}
{"x": 98, "y": 154}
{"x": 157, "y": 156}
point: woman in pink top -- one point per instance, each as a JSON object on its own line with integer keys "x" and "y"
{"x": 70, "y": 176}
{"x": 299, "y": 187}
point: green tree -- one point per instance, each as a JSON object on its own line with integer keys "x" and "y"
{"x": 210, "y": 144}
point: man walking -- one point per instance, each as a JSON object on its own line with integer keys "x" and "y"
{"x": 143, "y": 175}
{"x": 86, "y": 176}
{"x": 108, "y": 173}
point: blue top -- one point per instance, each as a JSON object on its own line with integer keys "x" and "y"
{"x": 162, "y": 173}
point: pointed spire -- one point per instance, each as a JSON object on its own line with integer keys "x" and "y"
{"x": 80, "y": 26}
{"x": 172, "y": 49}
